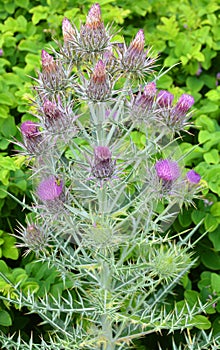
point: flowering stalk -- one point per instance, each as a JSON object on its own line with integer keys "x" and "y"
{"x": 104, "y": 164}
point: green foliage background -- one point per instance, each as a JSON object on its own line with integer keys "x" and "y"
{"x": 185, "y": 32}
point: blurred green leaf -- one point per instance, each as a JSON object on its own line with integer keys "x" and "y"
{"x": 5, "y": 318}
{"x": 201, "y": 322}
{"x": 212, "y": 157}
{"x": 215, "y": 282}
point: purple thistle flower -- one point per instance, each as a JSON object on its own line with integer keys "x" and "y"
{"x": 68, "y": 30}
{"x": 165, "y": 98}
{"x": 50, "y": 189}
{"x": 99, "y": 88}
{"x": 184, "y": 103}
{"x": 30, "y": 129}
{"x": 31, "y": 136}
{"x": 51, "y": 111}
{"x": 167, "y": 170}
{"x": 48, "y": 63}
{"x": 150, "y": 89}
{"x": 103, "y": 165}
{"x": 193, "y": 177}
{"x": 145, "y": 100}
{"x": 102, "y": 153}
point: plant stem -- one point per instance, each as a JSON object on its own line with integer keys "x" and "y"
{"x": 107, "y": 333}
{"x": 105, "y": 286}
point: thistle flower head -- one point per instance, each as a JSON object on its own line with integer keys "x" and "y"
{"x": 150, "y": 89}
{"x": 167, "y": 170}
{"x": 99, "y": 87}
{"x": 58, "y": 120}
{"x": 50, "y": 189}
{"x": 48, "y": 63}
{"x": 147, "y": 97}
{"x": 53, "y": 77}
{"x": 110, "y": 61}
{"x": 143, "y": 102}
{"x": 93, "y": 36}
{"x": 136, "y": 47}
{"x": 193, "y": 177}
{"x": 183, "y": 105}
{"x": 51, "y": 111}
{"x": 31, "y": 136}
{"x": 134, "y": 59}
{"x": 103, "y": 166}
{"x": 93, "y": 19}
{"x": 165, "y": 99}
{"x": 102, "y": 153}
{"x": 68, "y": 30}
{"x": 32, "y": 237}
{"x": 29, "y": 129}
{"x": 135, "y": 53}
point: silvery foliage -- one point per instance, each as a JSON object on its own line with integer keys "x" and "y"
{"x": 101, "y": 212}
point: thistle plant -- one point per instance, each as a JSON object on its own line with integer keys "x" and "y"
{"x": 98, "y": 192}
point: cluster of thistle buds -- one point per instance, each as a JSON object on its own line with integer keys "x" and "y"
{"x": 101, "y": 90}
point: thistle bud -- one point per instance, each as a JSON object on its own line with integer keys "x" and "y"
{"x": 110, "y": 61}
{"x": 51, "y": 112}
{"x": 165, "y": 99}
{"x": 93, "y": 20}
{"x": 183, "y": 105}
{"x": 136, "y": 47}
{"x": 103, "y": 165}
{"x": 48, "y": 63}
{"x": 93, "y": 36}
{"x": 31, "y": 136}
{"x": 167, "y": 170}
{"x": 99, "y": 87}
{"x": 68, "y": 30}
{"x": 193, "y": 177}
{"x": 34, "y": 237}
{"x": 146, "y": 99}
{"x": 135, "y": 55}
{"x": 50, "y": 189}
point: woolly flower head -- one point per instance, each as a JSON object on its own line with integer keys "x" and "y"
{"x": 193, "y": 177}
{"x": 103, "y": 166}
{"x": 29, "y": 129}
{"x": 164, "y": 99}
{"x": 183, "y": 105}
{"x": 167, "y": 170}
{"x": 50, "y": 189}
